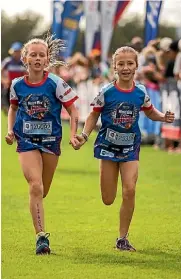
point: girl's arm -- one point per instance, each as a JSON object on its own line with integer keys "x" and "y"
{"x": 90, "y": 122}
{"x": 11, "y": 120}
{"x": 89, "y": 125}
{"x": 157, "y": 115}
{"x": 11, "y": 116}
{"x": 72, "y": 111}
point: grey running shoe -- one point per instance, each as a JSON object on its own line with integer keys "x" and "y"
{"x": 124, "y": 245}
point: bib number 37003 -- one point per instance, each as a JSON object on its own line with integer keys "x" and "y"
{"x": 37, "y": 128}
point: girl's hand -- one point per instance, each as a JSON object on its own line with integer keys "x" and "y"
{"x": 169, "y": 117}
{"x": 81, "y": 140}
{"x": 10, "y": 137}
{"x": 75, "y": 142}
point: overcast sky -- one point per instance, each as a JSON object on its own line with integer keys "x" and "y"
{"x": 171, "y": 9}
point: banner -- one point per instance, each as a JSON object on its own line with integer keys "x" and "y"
{"x": 58, "y": 7}
{"x": 108, "y": 10}
{"x": 151, "y": 20}
{"x": 110, "y": 14}
{"x": 121, "y": 6}
{"x": 73, "y": 10}
{"x": 92, "y": 23}
{"x": 97, "y": 36}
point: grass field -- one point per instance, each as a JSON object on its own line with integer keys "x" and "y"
{"x": 83, "y": 230}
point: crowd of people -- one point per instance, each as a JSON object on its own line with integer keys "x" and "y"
{"x": 159, "y": 70}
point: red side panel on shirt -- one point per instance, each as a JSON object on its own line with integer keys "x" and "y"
{"x": 14, "y": 102}
{"x": 147, "y": 108}
{"x": 70, "y": 102}
{"x": 97, "y": 109}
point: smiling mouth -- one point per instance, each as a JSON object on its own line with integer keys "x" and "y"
{"x": 38, "y": 64}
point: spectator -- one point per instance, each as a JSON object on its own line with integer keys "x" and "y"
{"x": 11, "y": 67}
{"x": 170, "y": 100}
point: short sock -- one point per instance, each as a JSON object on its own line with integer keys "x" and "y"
{"x": 40, "y": 234}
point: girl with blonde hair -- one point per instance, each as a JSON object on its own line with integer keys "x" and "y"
{"x": 34, "y": 120}
{"x": 118, "y": 142}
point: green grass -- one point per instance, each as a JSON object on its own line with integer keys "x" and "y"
{"x": 83, "y": 230}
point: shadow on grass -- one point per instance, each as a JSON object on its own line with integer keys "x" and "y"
{"x": 162, "y": 254}
{"x": 145, "y": 259}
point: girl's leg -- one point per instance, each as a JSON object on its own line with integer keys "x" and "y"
{"x": 31, "y": 164}
{"x": 109, "y": 172}
{"x": 50, "y": 162}
{"x": 129, "y": 175}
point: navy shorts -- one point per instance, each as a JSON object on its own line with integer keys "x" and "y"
{"x": 48, "y": 145}
{"x": 124, "y": 155}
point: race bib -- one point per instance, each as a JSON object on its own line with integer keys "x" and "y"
{"x": 120, "y": 138}
{"x": 37, "y": 128}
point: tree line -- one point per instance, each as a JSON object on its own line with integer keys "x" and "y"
{"x": 22, "y": 27}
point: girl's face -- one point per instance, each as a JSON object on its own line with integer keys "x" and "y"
{"x": 36, "y": 58}
{"x": 125, "y": 65}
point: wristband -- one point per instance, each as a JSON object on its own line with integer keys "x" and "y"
{"x": 85, "y": 136}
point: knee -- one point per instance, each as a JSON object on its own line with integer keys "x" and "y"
{"x": 107, "y": 200}
{"x": 36, "y": 189}
{"x": 129, "y": 193}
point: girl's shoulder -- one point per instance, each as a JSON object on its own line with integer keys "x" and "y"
{"x": 17, "y": 81}
{"x": 141, "y": 87}
{"x": 106, "y": 87}
{"x": 58, "y": 81}
{"x": 54, "y": 77}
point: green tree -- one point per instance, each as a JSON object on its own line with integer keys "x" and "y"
{"x": 18, "y": 28}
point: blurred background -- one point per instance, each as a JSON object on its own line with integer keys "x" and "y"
{"x": 92, "y": 31}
